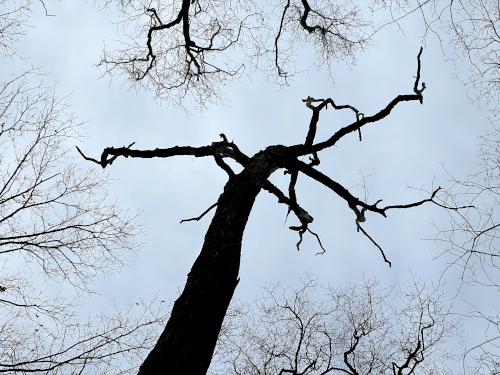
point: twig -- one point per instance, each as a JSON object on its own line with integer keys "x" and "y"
{"x": 419, "y": 203}
{"x": 87, "y": 157}
{"x": 416, "y": 90}
{"x": 323, "y": 250}
{"x": 360, "y": 228}
{"x": 198, "y": 218}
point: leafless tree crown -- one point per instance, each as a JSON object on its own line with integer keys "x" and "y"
{"x": 56, "y": 225}
{"x": 359, "y": 329}
{"x": 192, "y": 47}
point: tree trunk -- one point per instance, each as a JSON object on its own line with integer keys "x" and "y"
{"x": 186, "y": 345}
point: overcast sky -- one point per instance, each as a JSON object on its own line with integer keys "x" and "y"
{"x": 406, "y": 150}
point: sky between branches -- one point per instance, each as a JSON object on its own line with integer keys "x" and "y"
{"x": 408, "y": 149}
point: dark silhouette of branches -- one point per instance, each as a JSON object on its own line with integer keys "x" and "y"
{"x": 182, "y": 47}
{"x": 213, "y": 277}
{"x": 224, "y": 149}
{"x": 182, "y": 50}
{"x": 337, "y": 31}
{"x": 192, "y": 47}
{"x": 52, "y": 216}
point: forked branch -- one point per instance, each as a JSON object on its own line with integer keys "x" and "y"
{"x": 286, "y": 157}
{"x": 361, "y": 119}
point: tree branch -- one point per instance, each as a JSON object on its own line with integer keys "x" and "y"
{"x": 198, "y": 218}
{"x": 360, "y": 228}
{"x": 110, "y": 154}
{"x": 363, "y": 120}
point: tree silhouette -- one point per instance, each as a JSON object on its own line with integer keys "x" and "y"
{"x": 188, "y": 341}
{"x": 191, "y": 48}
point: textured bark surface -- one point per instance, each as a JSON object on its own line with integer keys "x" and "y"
{"x": 188, "y": 341}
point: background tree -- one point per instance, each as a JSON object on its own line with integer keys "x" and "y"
{"x": 12, "y": 22}
{"x": 470, "y": 238}
{"x": 57, "y": 229}
{"x": 189, "y": 49}
{"x": 357, "y": 329}
{"x": 471, "y": 243}
{"x": 211, "y": 43}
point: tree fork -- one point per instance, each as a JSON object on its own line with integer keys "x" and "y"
{"x": 186, "y": 345}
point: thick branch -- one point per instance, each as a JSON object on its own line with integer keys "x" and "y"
{"x": 358, "y": 206}
{"x": 362, "y": 120}
{"x": 110, "y": 154}
{"x": 151, "y": 57}
{"x": 301, "y": 214}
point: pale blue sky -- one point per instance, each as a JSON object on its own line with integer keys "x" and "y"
{"x": 405, "y": 150}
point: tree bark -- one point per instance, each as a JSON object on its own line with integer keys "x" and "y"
{"x": 186, "y": 345}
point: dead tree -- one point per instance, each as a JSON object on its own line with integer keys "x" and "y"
{"x": 189, "y": 48}
{"x": 187, "y": 343}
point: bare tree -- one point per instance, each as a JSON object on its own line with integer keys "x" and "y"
{"x": 12, "y": 19}
{"x": 14, "y": 15}
{"x": 482, "y": 356}
{"x": 54, "y": 216}
{"x": 359, "y": 329}
{"x": 187, "y": 48}
{"x": 51, "y": 211}
{"x": 56, "y": 225}
{"x": 470, "y": 243}
{"x": 191, "y": 48}
{"x": 471, "y": 238}
{"x": 66, "y": 344}
{"x": 476, "y": 32}
{"x": 188, "y": 341}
